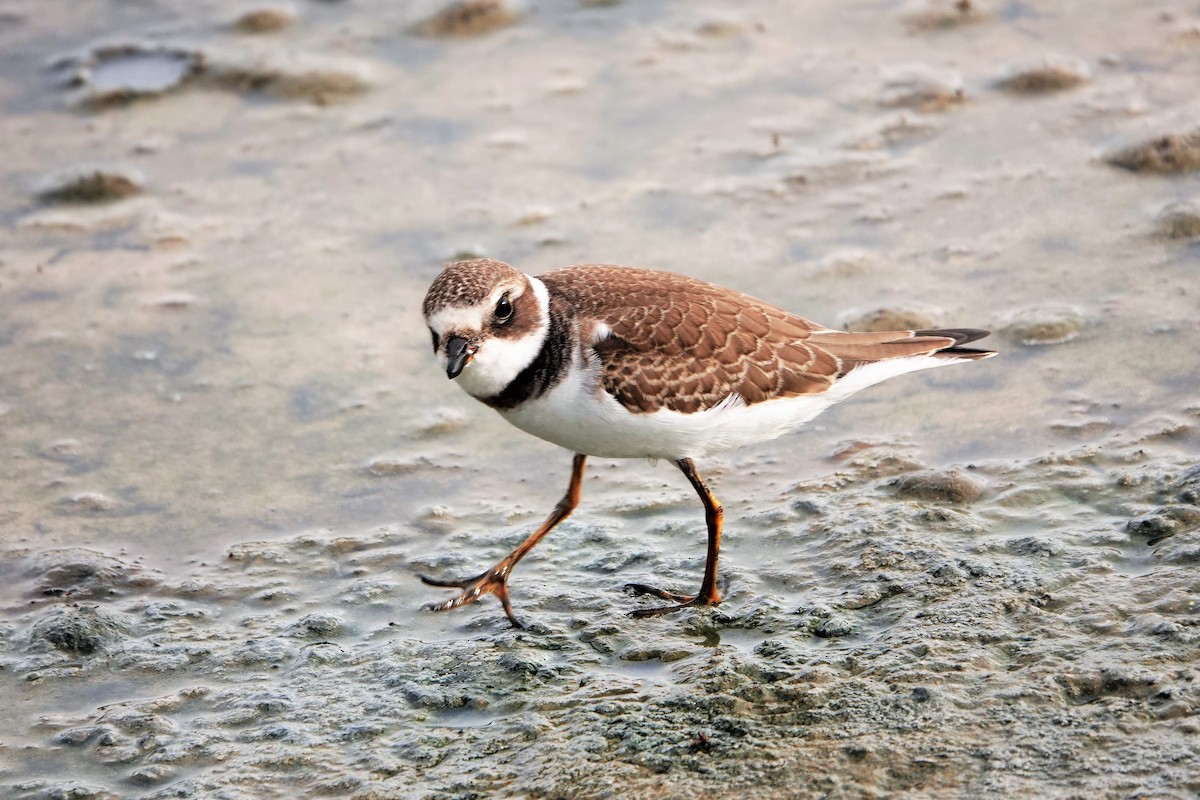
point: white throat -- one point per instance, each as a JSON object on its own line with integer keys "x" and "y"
{"x": 499, "y": 360}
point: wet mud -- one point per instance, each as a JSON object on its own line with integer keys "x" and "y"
{"x": 228, "y": 454}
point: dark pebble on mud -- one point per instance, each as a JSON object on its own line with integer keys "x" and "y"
{"x": 469, "y": 18}
{"x": 69, "y": 790}
{"x": 1049, "y": 74}
{"x": 923, "y": 91}
{"x": 1179, "y": 220}
{"x": 833, "y": 628}
{"x": 319, "y": 624}
{"x": 930, "y": 15}
{"x": 1083, "y": 427}
{"x": 394, "y": 465}
{"x": 286, "y": 75}
{"x": 949, "y": 486}
{"x": 1189, "y": 486}
{"x": 265, "y": 19}
{"x": 82, "y": 573}
{"x": 1087, "y": 686}
{"x": 79, "y": 631}
{"x": 893, "y": 318}
{"x": 1164, "y": 522}
{"x": 1166, "y": 154}
{"x": 95, "y": 184}
{"x": 1041, "y": 325}
{"x": 151, "y": 775}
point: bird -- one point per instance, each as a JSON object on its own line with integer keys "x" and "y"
{"x": 610, "y": 361}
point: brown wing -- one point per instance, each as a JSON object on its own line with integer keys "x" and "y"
{"x": 686, "y": 345}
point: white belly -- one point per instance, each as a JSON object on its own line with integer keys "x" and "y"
{"x": 577, "y": 415}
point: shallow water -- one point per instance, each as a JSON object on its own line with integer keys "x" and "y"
{"x": 229, "y": 452}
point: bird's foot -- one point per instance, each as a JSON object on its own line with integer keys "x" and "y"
{"x": 682, "y": 601}
{"x": 494, "y": 581}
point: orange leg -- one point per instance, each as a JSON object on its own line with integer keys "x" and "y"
{"x": 708, "y": 595}
{"x": 495, "y": 580}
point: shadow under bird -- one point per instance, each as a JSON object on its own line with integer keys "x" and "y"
{"x": 617, "y": 362}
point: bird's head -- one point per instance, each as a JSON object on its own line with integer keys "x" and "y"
{"x": 488, "y": 322}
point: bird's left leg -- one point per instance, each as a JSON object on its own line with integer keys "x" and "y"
{"x": 714, "y": 517}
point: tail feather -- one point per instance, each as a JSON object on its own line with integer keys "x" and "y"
{"x": 960, "y": 336}
{"x": 856, "y": 349}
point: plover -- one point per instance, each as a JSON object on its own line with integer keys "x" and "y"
{"x": 618, "y": 362}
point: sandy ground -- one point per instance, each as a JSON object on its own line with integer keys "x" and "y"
{"x": 226, "y": 451}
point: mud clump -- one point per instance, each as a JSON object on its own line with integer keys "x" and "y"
{"x": 923, "y": 90}
{"x": 1164, "y": 522}
{"x": 1045, "y": 76}
{"x": 1043, "y": 325}
{"x": 890, "y": 318}
{"x": 947, "y": 486}
{"x": 932, "y": 15}
{"x": 382, "y": 466}
{"x": 902, "y": 128}
{"x": 469, "y": 18}
{"x": 1189, "y": 486}
{"x": 285, "y": 75}
{"x": 1179, "y": 220}
{"x": 319, "y": 624}
{"x": 91, "y": 502}
{"x": 82, "y": 573}
{"x": 264, "y": 19}
{"x": 79, "y": 631}
{"x": 1165, "y": 155}
{"x": 91, "y": 184}
{"x": 1087, "y": 687}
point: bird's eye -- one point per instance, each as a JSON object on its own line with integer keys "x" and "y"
{"x": 433, "y": 333}
{"x": 504, "y": 309}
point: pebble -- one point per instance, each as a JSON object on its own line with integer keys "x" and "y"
{"x": 930, "y": 15}
{"x": 285, "y": 74}
{"x": 1043, "y": 325}
{"x": 951, "y": 486}
{"x": 1051, "y": 73}
{"x": 833, "y": 628}
{"x": 173, "y": 301}
{"x": 79, "y": 630}
{"x": 470, "y": 18}
{"x": 394, "y": 465}
{"x": 82, "y": 573}
{"x": 891, "y": 318}
{"x": 320, "y": 624}
{"x": 1164, "y": 522}
{"x": 92, "y": 501}
{"x": 901, "y": 128}
{"x": 151, "y": 775}
{"x": 91, "y": 184}
{"x": 1179, "y": 220}
{"x": 1188, "y": 486}
{"x": 923, "y": 90}
{"x": 1166, "y": 154}
{"x": 265, "y": 19}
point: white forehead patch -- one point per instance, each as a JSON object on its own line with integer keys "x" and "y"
{"x": 457, "y": 318}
